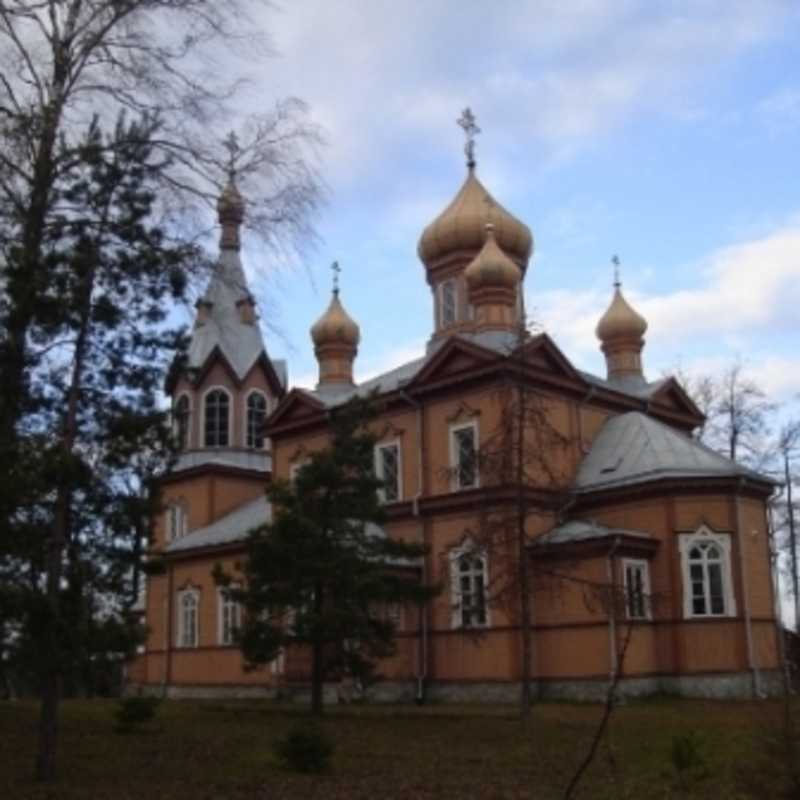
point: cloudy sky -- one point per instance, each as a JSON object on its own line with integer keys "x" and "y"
{"x": 665, "y": 132}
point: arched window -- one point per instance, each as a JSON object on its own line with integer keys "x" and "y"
{"x": 177, "y": 521}
{"x": 182, "y": 418}
{"x": 229, "y": 617}
{"x": 188, "y": 617}
{"x": 217, "y": 417}
{"x": 707, "y": 586}
{"x": 449, "y": 304}
{"x": 256, "y": 414}
{"x": 468, "y": 579}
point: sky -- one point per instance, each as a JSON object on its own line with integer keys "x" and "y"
{"x": 664, "y": 132}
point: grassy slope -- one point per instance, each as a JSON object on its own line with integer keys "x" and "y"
{"x": 223, "y": 750}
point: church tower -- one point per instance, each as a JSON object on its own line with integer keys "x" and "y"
{"x": 222, "y": 394}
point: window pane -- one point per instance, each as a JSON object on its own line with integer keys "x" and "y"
{"x": 182, "y": 422}
{"x": 466, "y": 457}
{"x": 389, "y": 465}
{"x": 216, "y": 408}
{"x": 256, "y": 414}
{"x": 448, "y": 303}
{"x": 715, "y": 589}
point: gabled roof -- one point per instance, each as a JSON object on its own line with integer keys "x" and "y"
{"x": 634, "y": 448}
{"x": 233, "y": 527}
{"x": 223, "y": 457}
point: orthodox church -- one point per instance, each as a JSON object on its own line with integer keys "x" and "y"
{"x": 647, "y": 552}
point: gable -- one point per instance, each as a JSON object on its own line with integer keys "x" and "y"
{"x": 542, "y": 353}
{"x": 297, "y": 406}
{"x": 455, "y": 357}
{"x": 671, "y": 395}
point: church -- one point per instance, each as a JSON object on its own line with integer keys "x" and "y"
{"x": 647, "y": 553}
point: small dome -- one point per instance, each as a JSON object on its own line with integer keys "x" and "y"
{"x": 462, "y": 226}
{"x": 335, "y": 326}
{"x": 492, "y": 267}
{"x": 620, "y": 320}
{"x": 230, "y": 205}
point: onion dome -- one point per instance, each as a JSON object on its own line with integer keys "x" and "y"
{"x": 620, "y": 320}
{"x": 462, "y": 225}
{"x": 335, "y": 327}
{"x": 492, "y": 268}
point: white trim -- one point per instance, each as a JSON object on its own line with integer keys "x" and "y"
{"x": 455, "y": 484}
{"x": 686, "y": 541}
{"x": 202, "y": 431}
{"x": 180, "y": 639}
{"x": 467, "y": 547}
{"x": 379, "y": 468}
{"x": 245, "y": 417}
{"x": 175, "y": 402}
{"x": 237, "y": 616}
{"x": 644, "y": 566}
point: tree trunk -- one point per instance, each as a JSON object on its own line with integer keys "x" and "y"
{"x": 317, "y": 670}
{"x": 792, "y": 539}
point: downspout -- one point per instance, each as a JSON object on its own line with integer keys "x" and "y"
{"x": 422, "y": 660}
{"x": 748, "y": 627}
{"x": 612, "y": 613}
{"x": 168, "y": 667}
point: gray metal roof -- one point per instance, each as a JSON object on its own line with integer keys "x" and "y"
{"x": 225, "y": 457}
{"x": 633, "y": 385}
{"x": 579, "y": 530}
{"x": 240, "y": 342}
{"x": 633, "y": 448}
{"x": 233, "y": 527}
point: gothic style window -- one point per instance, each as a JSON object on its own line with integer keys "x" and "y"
{"x": 449, "y": 311}
{"x": 707, "y": 585}
{"x": 217, "y": 416}
{"x": 229, "y": 615}
{"x": 469, "y": 579}
{"x": 464, "y": 455}
{"x": 181, "y": 421}
{"x": 188, "y": 617}
{"x": 256, "y": 414}
{"x": 177, "y": 521}
{"x": 387, "y": 468}
{"x": 637, "y": 589}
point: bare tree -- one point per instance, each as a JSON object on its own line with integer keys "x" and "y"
{"x": 788, "y": 445}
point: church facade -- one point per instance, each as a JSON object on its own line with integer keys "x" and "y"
{"x": 646, "y": 553}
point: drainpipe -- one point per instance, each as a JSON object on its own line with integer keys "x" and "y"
{"x": 422, "y": 661}
{"x": 612, "y": 613}
{"x": 748, "y": 627}
{"x": 168, "y": 666}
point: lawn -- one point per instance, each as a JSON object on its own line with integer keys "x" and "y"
{"x": 220, "y": 750}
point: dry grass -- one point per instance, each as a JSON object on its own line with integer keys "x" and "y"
{"x": 224, "y": 750}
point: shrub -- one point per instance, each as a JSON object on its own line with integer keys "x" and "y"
{"x": 305, "y": 749}
{"x": 132, "y": 712}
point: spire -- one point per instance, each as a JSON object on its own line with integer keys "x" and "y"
{"x": 467, "y": 122}
{"x": 230, "y": 205}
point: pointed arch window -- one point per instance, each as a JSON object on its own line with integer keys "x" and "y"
{"x": 469, "y": 578}
{"x": 707, "y": 581}
{"x": 217, "y": 418}
{"x": 188, "y": 617}
{"x": 256, "y": 416}
{"x": 182, "y": 419}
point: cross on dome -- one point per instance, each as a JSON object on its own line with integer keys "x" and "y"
{"x": 467, "y": 122}
{"x": 231, "y": 144}
{"x": 336, "y": 269}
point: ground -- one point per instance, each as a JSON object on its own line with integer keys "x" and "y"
{"x": 204, "y": 750}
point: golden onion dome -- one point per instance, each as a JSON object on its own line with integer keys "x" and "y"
{"x": 620, "y": 320}
{"x": 335, "y": 326}
{"x": 461, "y": 226}
{"x": 492, "y": 267}
{"x": 230, "y": 204}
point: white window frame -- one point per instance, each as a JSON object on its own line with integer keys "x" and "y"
{"x": 379, "y": 469}
{"x": 246, "y": 418}
{"x": 176, "y": 424}
{"x": 203, "y": 416}
{"x": 177, "y": 521}
{"x": 687, "y": 541}
{"x": 642, "y": 565}
{"x": 226, "y": 628}
{"x": 449, "y": 282}
{"x": 187, "y": 639}
{"x": 455, "y": 471}
{"x": 468, "y": 548}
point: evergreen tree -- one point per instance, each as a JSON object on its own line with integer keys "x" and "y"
{"x": 323, "y": 572}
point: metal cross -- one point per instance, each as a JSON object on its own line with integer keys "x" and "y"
{"x": 336, "y": 270}
{"x": 231, "y": 144}
{"x": 467, "y": 122}
{"x": 615, "y": 262}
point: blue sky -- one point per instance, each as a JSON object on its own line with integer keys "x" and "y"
{"x": 665, "y": 132}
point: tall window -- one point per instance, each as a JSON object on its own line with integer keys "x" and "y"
{"x": 256, "y": 414}
{"x": 387, "y": 468}
{"x": 229, "y": 614}
{"x": 464, "y": 455}
{"x": 188, "y": 617}
{"x": 707, "y": 585}
{"x": 468, "y": 577}
{"x": 177, "y": 522}
{"x": 217, "y": 414}
{"x": 637, "y": 589}
{"x": 448, "y": 303}
{"x": 182, "y": 418}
